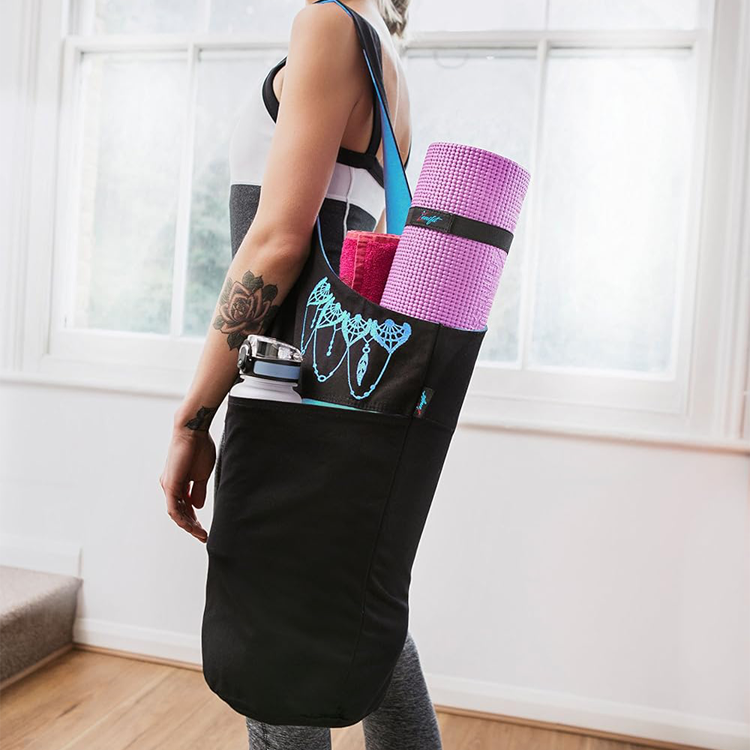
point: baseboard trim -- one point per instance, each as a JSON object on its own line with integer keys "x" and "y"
{"x": 138, "y": 657}
{"x": 135, "y": 641}
{"x": 560, "y": 712}
{"x": 569, "y": 728}
{"x": 598, "y": 718}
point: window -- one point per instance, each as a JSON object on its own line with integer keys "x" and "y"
{"x": 154, "y": 90}
{"x": 606, "y": 104}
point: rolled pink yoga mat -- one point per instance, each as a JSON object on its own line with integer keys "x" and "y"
{"x": 441, "y": 277}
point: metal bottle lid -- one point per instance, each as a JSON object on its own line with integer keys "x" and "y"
{"x": 269, "y": 357}
{"x": 265, "y": 347}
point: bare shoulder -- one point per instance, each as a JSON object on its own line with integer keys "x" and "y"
{"x": 326, "y": 26}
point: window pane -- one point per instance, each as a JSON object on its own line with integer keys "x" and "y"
{"x": 501, "y": 340}
{"x": 504, "y": 84}
{"x": 613, "y": 177}
{"x": 623, "y": 14}
{"x": 133, "y": 122}
{"x": 210, "y": 253}
{"x": 270, "y": 18}
{"x": 148, "y": 16}
{"x": 476, "y": 15}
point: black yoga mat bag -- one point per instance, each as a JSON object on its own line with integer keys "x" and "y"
{"x": 318, "y": 511}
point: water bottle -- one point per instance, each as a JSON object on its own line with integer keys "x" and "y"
{"x": 269, "y": 369}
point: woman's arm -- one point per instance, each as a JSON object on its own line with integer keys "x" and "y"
{"x": 325, "y": 77}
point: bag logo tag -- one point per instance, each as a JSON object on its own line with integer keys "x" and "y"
{"x": 424, "y": 400}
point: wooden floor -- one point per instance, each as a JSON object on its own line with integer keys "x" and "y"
{"x": 85, "y": 700}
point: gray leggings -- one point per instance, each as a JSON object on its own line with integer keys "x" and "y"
{"x": 405, "y": 720}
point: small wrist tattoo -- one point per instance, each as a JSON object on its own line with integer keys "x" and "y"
{"x": 245, "y": 307}
{"x": 202, "y": 419}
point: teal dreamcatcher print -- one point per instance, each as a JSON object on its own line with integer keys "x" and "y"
{"x": 327, "y": 318}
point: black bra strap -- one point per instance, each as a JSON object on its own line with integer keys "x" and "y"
{"x": 397, "y": 191}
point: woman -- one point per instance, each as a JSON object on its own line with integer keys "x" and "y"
{"x": 317, "y": 149}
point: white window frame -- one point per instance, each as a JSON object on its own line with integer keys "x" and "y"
{"x": 702, "y": 402}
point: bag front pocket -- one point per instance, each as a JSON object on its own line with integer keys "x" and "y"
{"x": 297, "y": 513}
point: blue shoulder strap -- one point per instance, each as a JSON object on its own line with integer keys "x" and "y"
{"x": 397, "y": 192}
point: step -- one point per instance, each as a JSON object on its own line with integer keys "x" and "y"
{"x": 36, "y": 616}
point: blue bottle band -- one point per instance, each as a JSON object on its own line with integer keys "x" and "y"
{"x": 275, "y": 370}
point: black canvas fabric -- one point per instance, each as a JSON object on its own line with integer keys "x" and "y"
{"x": 318, "y": 511}
{"x": 296, "y": 521}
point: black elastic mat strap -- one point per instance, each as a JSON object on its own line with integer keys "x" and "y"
{"x": 460, "y": 226}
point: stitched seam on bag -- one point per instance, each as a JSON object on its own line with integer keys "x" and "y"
{"x": 271, "y": 404}
{"x": 362, "y": 407}
{"x": 380, "y": 524}
{"x": 372, "y": 554}
{"x": 424, "y": 381}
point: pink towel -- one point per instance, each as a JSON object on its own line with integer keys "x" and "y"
{"x": 366, "y": 259}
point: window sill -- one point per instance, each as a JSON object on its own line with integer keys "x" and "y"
{"x": 586, "y": 432}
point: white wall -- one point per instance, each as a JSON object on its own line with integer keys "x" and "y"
{"x": 590, "y": 582}
{"x": 613, "y": 578}
{"x": 11, "y": 115}
{"x": 596, "y": 583}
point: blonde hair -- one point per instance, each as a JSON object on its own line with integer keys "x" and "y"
{"x": 396, "y": 15}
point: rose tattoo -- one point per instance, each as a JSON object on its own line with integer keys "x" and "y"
{"x": 245, "y": 307}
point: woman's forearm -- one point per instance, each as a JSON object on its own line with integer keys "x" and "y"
{"x": 260, "y": 276}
